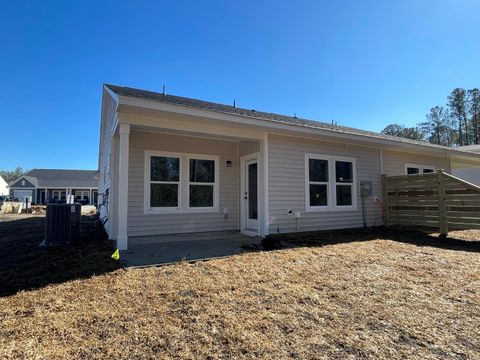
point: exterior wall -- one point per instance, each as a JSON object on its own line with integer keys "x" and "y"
{"x": 394, "y": 162}
{"x": 286, "y": 185}
{"x": 471, "y": 175}
{"x": 141, "y": 224}
{"x": 106, "y": 135}
{"x": 3, "y": 187}
{"x": 248, "y": 147}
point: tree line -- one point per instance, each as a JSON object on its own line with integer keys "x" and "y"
{"x": 10, "y": 175}
{"x": 455, "y": 124}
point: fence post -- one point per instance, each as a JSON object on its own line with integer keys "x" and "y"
{"x": 385, "y": 200}
{"x": 442, "y": 208}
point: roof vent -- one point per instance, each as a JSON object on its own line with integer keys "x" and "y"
{"x": 164, "y": 90}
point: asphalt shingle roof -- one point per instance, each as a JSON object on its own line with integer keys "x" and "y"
{"x": 291, "y": 120}
{"x": 62, "y": 178}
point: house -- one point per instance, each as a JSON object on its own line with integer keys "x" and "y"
{"x": 3, "y": 187}
{"x": 53, "y": 185}
{"x": 468, "y": 172}
{"x": 171, "y": 164}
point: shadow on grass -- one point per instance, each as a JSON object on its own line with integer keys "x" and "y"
{"x": 25, "y": 266}
{"x": 418, "y": 237}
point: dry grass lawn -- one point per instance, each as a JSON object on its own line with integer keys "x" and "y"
{"x": 377, "y": 298}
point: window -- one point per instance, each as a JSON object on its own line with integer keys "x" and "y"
{"x": 180, "y": 183}
{"x": 82, "y": 195}
{"x": 201, "y": 183}
{"x": 164, "y": 181}
{"x": 58, "y": 195}
{"x": 318, "y": 178}
{"x": 330, "y": 182}
{"x": 412, "y": 169}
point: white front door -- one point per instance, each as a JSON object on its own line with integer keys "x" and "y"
{"x": 250, "y": 194}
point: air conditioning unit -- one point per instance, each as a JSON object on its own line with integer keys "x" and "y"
{"x": 62, "y": 224}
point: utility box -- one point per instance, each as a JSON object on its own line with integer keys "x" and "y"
{"x": 62, "y": 223}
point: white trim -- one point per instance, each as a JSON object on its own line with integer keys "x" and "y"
{"x": 331, "y": 184}
{"x": 123, "y": 167}
{"x": 243, "y": 208}
{"x": 266, "y": 208}
{"x": 183, "y": 184}
{"x": 420, "y": 168}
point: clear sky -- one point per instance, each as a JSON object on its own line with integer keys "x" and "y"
{"x": 361, "y": 63}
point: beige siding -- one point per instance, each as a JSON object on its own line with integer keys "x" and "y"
{"x": 394, "y": 161}
{"x": 106, "y": 136}
{"x": 140, "y": 224}
{"x": 248, "y": 147}
{"x": 287, "y": 184}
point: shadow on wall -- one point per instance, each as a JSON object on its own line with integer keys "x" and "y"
{"x": 25, "y": 266}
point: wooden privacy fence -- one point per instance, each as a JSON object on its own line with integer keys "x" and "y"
{"x": 435, "y": 200}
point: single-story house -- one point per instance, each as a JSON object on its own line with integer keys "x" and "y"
{"x": 468, "y": 172}
{"x": 171, "y": 164}
{"x": 53, "y": 185}
{"x": 3, "y": 186}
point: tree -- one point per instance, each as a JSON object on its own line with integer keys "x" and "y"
{"x": 458, "y": 109}
{"x": 11, "y": 175}
{"x": 438, "y": 128}
{"x": 473, "y": 108}
{"x": 413, "y": 133}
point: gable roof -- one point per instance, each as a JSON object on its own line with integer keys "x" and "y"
{"x": 272, "y": 117}
{"x": 61, "y": 178}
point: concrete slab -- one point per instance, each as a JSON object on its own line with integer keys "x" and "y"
{"x": 163, "y": 249}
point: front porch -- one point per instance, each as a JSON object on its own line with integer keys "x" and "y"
{"x": 164, "y": 249}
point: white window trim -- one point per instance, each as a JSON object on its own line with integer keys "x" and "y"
{"x": 419, "y": 167}
{"x": 331, "y": 185}
{"x": 83, "y": 194}
{"x": 183, "y": 184}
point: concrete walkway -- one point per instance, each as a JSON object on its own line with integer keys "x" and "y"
{"x": 162, "y": 249}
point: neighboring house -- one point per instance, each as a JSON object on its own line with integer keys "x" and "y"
{"x": 170, "y": 164}
{"x": 53, "y": 185}
{"x": 467, "y": 171}
{"x": 3, "y": 187}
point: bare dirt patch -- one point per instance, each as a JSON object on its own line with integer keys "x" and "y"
{"x": 337, "y": 298}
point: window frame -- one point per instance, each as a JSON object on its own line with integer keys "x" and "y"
{"x": 183, "y": 183}
{"x": 214, "y": 183}
{"x": 331, "y": 184}
{"x": 420, "y": 168}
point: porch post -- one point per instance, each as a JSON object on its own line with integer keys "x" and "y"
{"x": 265, "y": 209}
{"x": 122, "y": 235}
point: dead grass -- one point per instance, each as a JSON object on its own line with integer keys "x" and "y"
{"x": 378, "y": 298}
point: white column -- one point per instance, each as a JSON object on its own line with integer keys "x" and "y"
{"x": 265, "y": 197}
{"x": 122, "y": 236}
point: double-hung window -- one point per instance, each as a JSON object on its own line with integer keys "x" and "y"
{"x": 330, "y": 183}
{"x": 181, "y": 182}
{"x": 164, "y": 182}
{"x": 201, "y": 184}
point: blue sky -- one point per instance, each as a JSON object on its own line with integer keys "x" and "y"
{"x": 361, "y": 63}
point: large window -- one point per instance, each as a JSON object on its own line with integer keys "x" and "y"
{"x": 412, "y": 169}
{"x": 164, "y": 181}
{"x": 330, "y": 183}
{"x": 180, "y": 183}
{"x": 201, "y": 183}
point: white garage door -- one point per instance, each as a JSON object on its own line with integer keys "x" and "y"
{"x": 21, "y": 194}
